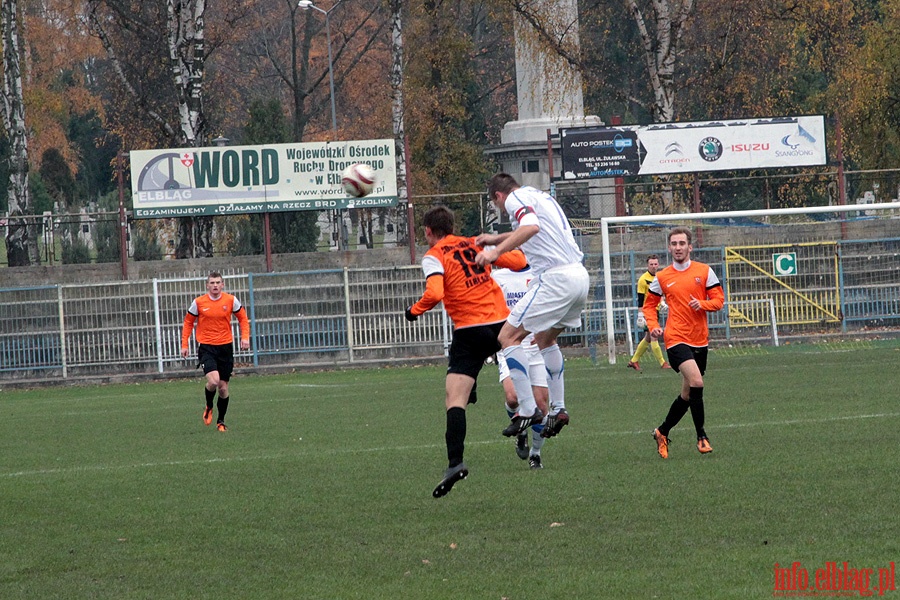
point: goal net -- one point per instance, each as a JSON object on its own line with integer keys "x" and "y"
{"x": 787, "y": 273}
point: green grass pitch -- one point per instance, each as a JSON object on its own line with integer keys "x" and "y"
{"x": 322, "y": 487}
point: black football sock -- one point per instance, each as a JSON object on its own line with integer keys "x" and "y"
{"x": 678, "y": 409}
{"x": 697, "y": 411}
{"x": 222, "y": 405}
{"x": 455, "y": 435}
{"x": 210, "y": 396}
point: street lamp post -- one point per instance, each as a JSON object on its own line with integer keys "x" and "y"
{"x": 306, "y": 5}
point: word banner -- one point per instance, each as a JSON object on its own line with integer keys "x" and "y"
{"x": 191, "y": 182}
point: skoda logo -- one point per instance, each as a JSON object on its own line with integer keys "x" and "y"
{"x": 710, "y": 149}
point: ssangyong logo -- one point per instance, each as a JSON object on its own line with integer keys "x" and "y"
{"x": 710, "y": 149}
{"x": 793, "y": 142}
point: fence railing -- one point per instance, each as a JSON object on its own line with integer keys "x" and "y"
{"x": 346, "y": 316}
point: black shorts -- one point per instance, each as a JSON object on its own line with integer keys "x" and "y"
{"x": 680, "y": 353}
{"x": 216, "y": 358}
{"x": 471, "y": 346}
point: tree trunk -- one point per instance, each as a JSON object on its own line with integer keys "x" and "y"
{"x": 660, "y": 37}
{"x": 397, "y": 110}
{"x": 21, "y": 242}
{"x": 660, "y": 44}
{"x": 186, "y": 45}
{"x": 187, "y": 61}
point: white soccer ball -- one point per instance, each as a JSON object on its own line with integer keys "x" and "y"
{"x": 358, "y": 180}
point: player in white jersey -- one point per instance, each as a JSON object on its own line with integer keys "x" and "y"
{"x": 555, "y": 297}
{"x": 515, "y": 285}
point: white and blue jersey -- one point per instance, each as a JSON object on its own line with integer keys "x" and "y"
{"x": 554, "y": 245}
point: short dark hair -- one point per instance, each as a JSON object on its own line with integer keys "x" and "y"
{"x": 501, "y": 182}
{"x": 440, "y": 220}
{"x": 214, "y": 275}
{"x": 652, "y": 257}
{"x": 683, "y": 230}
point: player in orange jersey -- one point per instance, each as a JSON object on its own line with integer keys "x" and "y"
{"x": 691, "y": 290}
{"x": 477, "y": 306}
{"x": 212, "y": 313}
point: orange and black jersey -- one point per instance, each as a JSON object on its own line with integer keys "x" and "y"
{"x": 213, "y": 319}
{"x": 684, "y": 325}
{"x": 469, "y": 293}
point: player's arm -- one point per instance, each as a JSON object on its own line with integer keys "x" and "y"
{"x": 434, "y": 293}
{"x": 715, "y": 299}
{"x": 651, "y": 301}
{"x": 507, "y": 242}
{"x": 187, "y": 328}
{"x": 244, "y": 324}
{"x": 514, "y": 260}
{"x": 715, "y": 296}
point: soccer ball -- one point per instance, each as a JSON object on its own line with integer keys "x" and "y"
{"x": 358, "y": 180}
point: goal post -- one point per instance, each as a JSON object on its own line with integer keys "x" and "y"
{"x": 827, "y": 307}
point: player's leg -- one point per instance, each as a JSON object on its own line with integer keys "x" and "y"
{"x": 212, "y": 385}
{"x": 693, "y": 375}
{"x": 541, "y": 394}
{"x": 555, "y": 365}
{"x": 468, "y": 351}
{"x": 225, "y": 362}
{"x": 458, "y": 387}
{"x": 511, "y": 405}
{"x": 642, "y": 346}
{"x": 222, "y": 404}
{"x": 557, "y": 305}
{"x": 657, "y": 352}
{"x": 510, "y": 339}
{"x": 681, "y": 357}
{"x": 207, "y": 360}
{"x": 537, "y": 374}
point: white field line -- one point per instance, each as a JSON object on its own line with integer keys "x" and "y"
{"x": 170, "y": 463}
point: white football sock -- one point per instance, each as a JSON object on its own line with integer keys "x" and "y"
{"x": 553, "y": 359}
{"x": 517, "y": 362}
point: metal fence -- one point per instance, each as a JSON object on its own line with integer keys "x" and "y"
{"x": 346, "y": 316}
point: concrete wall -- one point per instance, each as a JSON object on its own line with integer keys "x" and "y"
{"x": 141, "y": 270}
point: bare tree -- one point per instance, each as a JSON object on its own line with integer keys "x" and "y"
{"x": 280, "y": 52}
{"x": 660, "y": 37}
{"x": 183, "y": 34}
{"x": 21, "y": 242}
{"x": 397, "y": 107}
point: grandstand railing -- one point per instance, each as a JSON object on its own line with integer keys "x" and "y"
{"x": 346, "y": 316}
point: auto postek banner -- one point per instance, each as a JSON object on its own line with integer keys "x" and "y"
{"x": 692, "y": 147}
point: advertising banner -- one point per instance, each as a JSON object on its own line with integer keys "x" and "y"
{"x": 694, "y": 147}
{"x": 217, "y": 180}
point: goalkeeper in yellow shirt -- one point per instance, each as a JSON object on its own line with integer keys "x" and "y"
{"x": 649, "y": 341}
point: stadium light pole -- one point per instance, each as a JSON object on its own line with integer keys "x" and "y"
{"x": 306, "y": 5}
